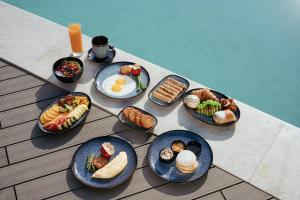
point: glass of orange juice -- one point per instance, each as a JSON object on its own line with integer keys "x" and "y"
{"x": 76, "y": 39}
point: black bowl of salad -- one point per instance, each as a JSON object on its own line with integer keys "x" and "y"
{"x": 68, "y": 69}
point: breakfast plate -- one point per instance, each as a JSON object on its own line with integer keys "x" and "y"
{"x": 104, "y": 162}
{"x": 137, "y": 118}
{"x": 65, "y": 113}
{"x": 215, "y": 108}
{"x": 180, "y": 156}
{"x": 168, "y": 90}
{"x": 114, "y": 82}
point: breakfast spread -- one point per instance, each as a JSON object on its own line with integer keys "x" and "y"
{"x": 138, "y": 118}
{"x": 185, "y": 154}
{"x": 205, "y": 102}
{"x": 102, "y": 167}
{"x": 64, "y": 113}
{"x": 68, "y": 69}
{"x": 169, "y": 90}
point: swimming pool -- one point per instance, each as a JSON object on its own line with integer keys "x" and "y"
{"x": 247, "y": 49}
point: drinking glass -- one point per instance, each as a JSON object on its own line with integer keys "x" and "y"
{"x": 76, "y": 39}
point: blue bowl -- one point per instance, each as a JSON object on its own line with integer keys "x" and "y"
{"x": 92, "y": 146}
{"x": 63, "y": 78}
{"x": 168, "y": 170}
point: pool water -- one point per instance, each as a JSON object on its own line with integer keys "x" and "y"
{"x": 249, "y": 50}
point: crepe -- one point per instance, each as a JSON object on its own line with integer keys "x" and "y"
{"x": 113, "y": 168}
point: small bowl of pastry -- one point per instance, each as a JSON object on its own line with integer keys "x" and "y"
{"x": 137, "y": 118}
{"x": 168, "y": 90}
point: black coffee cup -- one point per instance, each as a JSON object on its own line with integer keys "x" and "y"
{"x": 100, "y": 46}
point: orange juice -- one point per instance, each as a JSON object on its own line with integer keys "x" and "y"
{"x": 75, "y": 38}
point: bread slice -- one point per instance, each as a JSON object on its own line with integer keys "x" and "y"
{"x": 162, "y": 97}
{"x": 174, "y": 94}
{"x": 174, "y": 85}
{"x": 165, "y": 94}
{"x": 179, "y": 84}
{"x": 171, "y": 88}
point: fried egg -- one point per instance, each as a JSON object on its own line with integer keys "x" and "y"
{"x": 118, "y": 85}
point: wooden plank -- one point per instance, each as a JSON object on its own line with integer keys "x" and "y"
{"x": 3, "y": 63}
{"x": 64, "y": 181}
{"x": 8, "y": 72}
{"x": 23, "y": 114}
{"x": 3, "y": 158}
{"x": 213, "y": 196}
{"x": 7, "y": 194}
{"x": 19, "y": 83}
{"x": 53, "y": 162}
{"x": 43, "y": 145}
{"x": 29, "y": 130}
{"x": 27, "y": 113}
{"x": 30, "y": 96}
{"x": 244, "y": 191}
{"x": 215, "y": 180}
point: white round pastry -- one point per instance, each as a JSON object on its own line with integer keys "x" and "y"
{"x": 192, "y": 101}
{"x": 186, "y": 161}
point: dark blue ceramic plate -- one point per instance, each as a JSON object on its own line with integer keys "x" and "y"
{"x": 114, "y": 68}
{"x": 79, "y": 121}
{"x": 162, "y": 103}
{"x": 107, "y": 59}
{"x": 168, "y": 170}
{"x": 92, "y": 146}
{"x": 133, "y": 125}
{"x": 209, "y": 119}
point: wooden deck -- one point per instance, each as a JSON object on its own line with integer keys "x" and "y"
{"x": 37, "y": 166}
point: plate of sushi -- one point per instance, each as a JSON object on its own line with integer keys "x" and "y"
{"x": 137, "y": 118}
{"x": 180, "y": 156}
{"x": 65, "y": 113}
{"x": 104, "y": 162}
{"x": 122, "y": 80}
{"x": 168, "y": 90}
{"x": 211, "y": 107}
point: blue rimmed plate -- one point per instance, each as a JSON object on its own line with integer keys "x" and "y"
{"x": 125, "y": 121}
{"x": 76, "y": 123}
{"x": 168, "y": 170}
{"x": 209, "y": 119}
{"x": 162, "y": 103}
{"x": 93, "y": 146}
{"x": 114, "y": 68}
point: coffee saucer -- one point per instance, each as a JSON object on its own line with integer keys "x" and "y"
{"x": 107, "y": 59}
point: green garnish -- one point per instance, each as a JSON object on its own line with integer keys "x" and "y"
{"x": 89, "y": 163}
{"x": 208, "y": 107}
{"x": 207, "y": 103}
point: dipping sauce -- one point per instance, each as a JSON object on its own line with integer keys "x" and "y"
{"x": 178, "y": 146}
